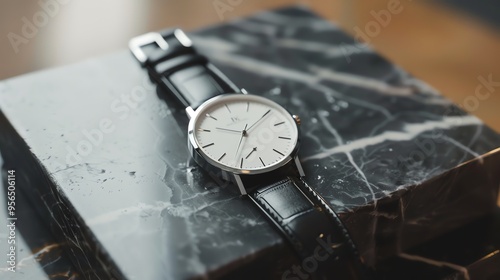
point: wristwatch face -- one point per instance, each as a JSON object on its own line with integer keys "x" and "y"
{"x": 244, "y": 133}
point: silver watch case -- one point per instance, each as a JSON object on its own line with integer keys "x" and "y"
{"x": 228, "y": 173}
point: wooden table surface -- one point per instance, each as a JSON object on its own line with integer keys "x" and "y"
{"x": 450, "y": 50}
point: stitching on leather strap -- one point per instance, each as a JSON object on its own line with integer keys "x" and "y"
{"x": 334, "y": 216}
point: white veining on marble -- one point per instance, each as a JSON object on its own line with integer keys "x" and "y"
{"x": 408, "y": 132}
{"x": 328, "y": 50}
{"x": 358, "y": 81}
{"x": 329, "y": 92}
{"x": 462, "y": 147}
{"x": 265, "y": 68}
{"x": 340, "y": 142}
{"x": 422, "y": 86}
{"x": 432, "y": 262}
{"x": 74, "y": 239}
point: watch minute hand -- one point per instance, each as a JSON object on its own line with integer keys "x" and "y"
{"x": 265, "y": 114}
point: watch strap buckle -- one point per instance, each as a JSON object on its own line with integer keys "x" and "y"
{"x": 137, "y": 44}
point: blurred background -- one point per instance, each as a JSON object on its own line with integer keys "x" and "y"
{"x": 450, "y": 44}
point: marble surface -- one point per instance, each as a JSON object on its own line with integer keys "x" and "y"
{"x": 396, "y": 160}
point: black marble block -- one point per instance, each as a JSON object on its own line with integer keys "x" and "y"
{"x": 38, "y": 254}
{"x": 397, "y": 161}
{"x": 470, "y": 252}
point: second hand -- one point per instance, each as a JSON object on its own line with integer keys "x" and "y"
{"x": 243, "y": 133}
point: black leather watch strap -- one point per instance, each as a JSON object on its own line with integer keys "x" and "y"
{"x": 311, "y": 227}
{"x": 174, "y": 64}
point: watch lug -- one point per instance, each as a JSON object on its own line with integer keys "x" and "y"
{"x": 189, "y": 112}
{"x": 241, "y": 187}
{"x": 299, "y": 166}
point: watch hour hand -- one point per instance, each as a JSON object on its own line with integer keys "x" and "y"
{"x": 227, "y": 129}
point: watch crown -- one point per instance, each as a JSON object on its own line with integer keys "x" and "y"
{"x": 297, "y": 119}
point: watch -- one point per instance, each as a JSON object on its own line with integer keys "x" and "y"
{"x": 253, "y": 142}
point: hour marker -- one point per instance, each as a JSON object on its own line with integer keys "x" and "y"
{"x": 262, "y": 161}
{"x": 287, "y": 138}
{"x": 276, "y": 124}
{"x": 210, "y": 116}
{"x": 221, "y": 157}
{"x": 206, "y": 130}
{"x": 248, "y": 105}
{"x": 241, "y": 163}
{"x": 227, "y": 108}
{"x": 208, "y": 145}
{"x": 278, "y": 152}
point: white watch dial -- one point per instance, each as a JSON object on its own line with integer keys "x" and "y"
{"x": 244, "y": 132}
